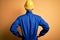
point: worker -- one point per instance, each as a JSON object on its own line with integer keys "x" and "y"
{"x": 29, "y": 24}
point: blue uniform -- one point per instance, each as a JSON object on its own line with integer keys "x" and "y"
{"x": 29, "y": 23}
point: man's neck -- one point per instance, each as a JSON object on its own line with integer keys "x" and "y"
{"x": 29, "y": 12}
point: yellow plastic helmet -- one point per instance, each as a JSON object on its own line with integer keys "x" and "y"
{"x": 29, "y": 5}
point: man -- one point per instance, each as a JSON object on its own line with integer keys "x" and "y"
{"x": 29, "y": 23}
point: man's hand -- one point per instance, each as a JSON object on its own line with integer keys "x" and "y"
{"x": 38, "y": 36}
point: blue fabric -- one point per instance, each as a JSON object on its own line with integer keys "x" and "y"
{"x": 29, "y": 23}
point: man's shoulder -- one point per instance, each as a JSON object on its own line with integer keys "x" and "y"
{"x": 21, "y": 16}
{"x": 36, "y": 15}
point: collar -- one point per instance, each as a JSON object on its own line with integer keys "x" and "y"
{"x": 28, "y": 12}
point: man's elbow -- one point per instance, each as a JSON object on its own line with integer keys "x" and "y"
{"x": 11, "y": 29}
{"x": 47, "y": 27}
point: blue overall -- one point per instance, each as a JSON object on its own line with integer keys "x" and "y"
{"x": 29, "y": 23}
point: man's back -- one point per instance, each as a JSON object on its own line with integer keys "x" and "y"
{"x": 29, "y": 23}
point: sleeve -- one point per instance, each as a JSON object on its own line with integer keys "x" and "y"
{"x": 14, "y": 27}
{"x": 44, "y": 25}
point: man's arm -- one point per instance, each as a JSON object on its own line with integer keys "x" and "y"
{"x": 45, "y": 27}
{"x": 14, "y": 27}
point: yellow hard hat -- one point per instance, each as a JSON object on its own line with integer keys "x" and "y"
{"x": 29, "y": 5}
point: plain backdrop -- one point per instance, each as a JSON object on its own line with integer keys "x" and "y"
{"x": 49, "y": 10}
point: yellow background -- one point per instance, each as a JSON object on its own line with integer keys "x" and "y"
{"x": 48, "y": 9}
